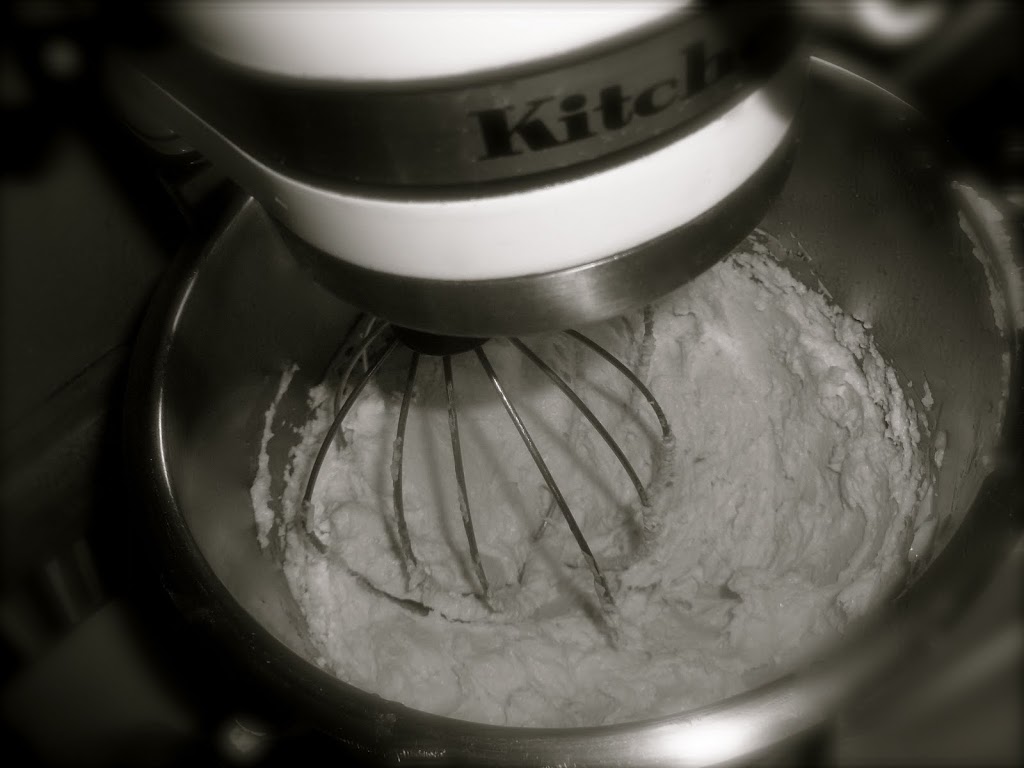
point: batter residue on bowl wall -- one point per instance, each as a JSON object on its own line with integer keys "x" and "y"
{"x": 798, "y": 480}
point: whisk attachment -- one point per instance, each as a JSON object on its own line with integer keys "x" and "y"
{"x": 418, "y": 580}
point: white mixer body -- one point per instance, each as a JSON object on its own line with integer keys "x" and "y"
{"x": 510, "y": 166}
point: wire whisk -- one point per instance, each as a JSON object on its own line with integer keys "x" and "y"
{"x": 367, "y": 331}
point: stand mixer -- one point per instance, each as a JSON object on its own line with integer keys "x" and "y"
{"x": 464, "y": 172}
{"x": 473, "y": 190}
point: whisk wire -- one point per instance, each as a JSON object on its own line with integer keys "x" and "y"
{"x": 397, "y": 457}
{"x": 633, "y": 379}
{"x": 340, "y": 417}
{"x": 369, "y": 335}
{"x": 603, "y": 590}
{"x": 460, "y": 477}
{"x": 371, "y": 331}
{"x": 590, "y": 416}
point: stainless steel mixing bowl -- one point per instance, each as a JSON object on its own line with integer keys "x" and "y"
{"x": 870, "y": 209}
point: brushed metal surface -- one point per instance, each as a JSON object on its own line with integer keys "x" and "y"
{"x": 574, "y": 296}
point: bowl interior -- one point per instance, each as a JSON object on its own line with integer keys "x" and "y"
{"x": 869, "y": 210}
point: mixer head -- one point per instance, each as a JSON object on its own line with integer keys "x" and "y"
{"x": 488, "y": 170}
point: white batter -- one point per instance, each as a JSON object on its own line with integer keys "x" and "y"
{"x": 794, "y": 491}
